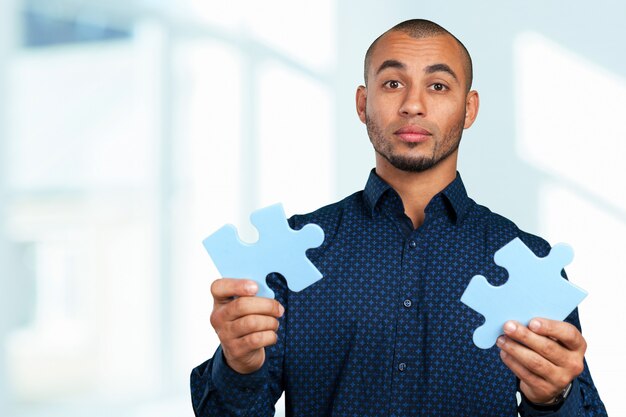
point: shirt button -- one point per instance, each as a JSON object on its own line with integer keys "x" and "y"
{"x": 412, "y": 244}
{"x": 402, "y": 367}
{"x": 407, "y": 303}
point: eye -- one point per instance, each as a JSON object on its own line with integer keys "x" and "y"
{"x": 393, "y": 84}
{"x": 439, "y": 87}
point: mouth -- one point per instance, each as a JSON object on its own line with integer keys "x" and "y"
{"x": 413, "y": 134}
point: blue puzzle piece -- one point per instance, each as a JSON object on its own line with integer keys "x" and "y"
{"x": 535, "y": 288}
{"x": 279, "y": 249}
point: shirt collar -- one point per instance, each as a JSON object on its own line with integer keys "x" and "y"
{"x": 453, "y": 200}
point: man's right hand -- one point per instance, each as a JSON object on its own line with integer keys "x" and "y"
{"x": 245, "y": 324}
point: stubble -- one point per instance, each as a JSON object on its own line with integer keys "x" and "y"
{"x": 442, "y": 148}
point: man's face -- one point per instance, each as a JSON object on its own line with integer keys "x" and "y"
{"x": 416, "y": 104}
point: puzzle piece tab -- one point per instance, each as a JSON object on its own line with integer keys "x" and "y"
{"x": 535, "y": 288}
{"x": 279, "y": 249}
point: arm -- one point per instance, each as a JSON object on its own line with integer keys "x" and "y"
{"x": 244, "y": 376}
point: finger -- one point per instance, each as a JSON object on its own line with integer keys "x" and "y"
{"x": 541, "y": 390}
{"x": 252, "y": 324}
{"x": 565, "y": 333}
{"x": 224, "y": 289}
{"x": 528, "y": 358}
{"x": 244, "y": 345}
{"x": 523, "y": 373}
{"x": 545, "y": 346}
{"x": 245, "y": 306}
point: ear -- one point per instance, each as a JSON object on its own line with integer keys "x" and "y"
{"x": 361, "y": 102}
{"x": 471, "y": 108}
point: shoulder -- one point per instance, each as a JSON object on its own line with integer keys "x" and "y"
{"x": 498, "y": 230}
{"x": 333, "y": 219}
{"x": 329, "y": 217}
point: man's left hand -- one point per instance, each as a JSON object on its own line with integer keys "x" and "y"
{"x": 546, "y": 356}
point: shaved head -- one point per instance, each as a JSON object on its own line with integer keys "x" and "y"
{"x": 419, "y": 29}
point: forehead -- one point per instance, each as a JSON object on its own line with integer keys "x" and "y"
{"x": 416, "y": 53}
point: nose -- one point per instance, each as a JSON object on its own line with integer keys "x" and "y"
{"x": 413, "y": 103}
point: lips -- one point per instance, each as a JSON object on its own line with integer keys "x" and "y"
{"x": 413, "y": 134}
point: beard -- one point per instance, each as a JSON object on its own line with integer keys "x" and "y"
{"x": 442, "y": 148}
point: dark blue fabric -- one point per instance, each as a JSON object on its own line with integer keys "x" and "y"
{"x": 384, "y": 332}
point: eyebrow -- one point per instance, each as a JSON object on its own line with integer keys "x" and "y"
{"x": 390, "y": 63}
{"x": 431, "y": 69}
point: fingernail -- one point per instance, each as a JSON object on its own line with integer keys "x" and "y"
{"x": 534, "y": 325}
{"x": 500, "y": 341}
{"x": 252, "y": 288}
{"x": 509, "y": 327}
{"x": 281, "y": 310}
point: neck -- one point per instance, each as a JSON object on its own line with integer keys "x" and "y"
{"x": 416, "y": 189}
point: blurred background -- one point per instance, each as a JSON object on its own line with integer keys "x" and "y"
{"x": 130, "y": 130}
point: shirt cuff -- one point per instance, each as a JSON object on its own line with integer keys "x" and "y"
{"x": 569, "y": 407}
{"x": 228, "y": 380}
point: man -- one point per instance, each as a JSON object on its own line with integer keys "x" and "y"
{"x": 384, "y": 332}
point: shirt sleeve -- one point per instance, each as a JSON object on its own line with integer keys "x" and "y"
{"x": 219, "y": 391}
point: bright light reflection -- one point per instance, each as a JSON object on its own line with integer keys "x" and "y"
{"x": 570, "y": 117}
{"x": 295, "y": 139}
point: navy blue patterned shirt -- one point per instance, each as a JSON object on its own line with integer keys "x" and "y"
{"x": 384, "y": 332}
